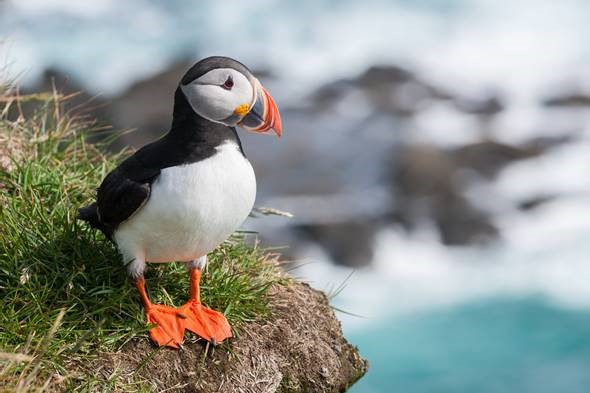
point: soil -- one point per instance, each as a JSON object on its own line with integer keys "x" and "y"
{"x": 300, "y": 348}
{"x": 11, "y": 150}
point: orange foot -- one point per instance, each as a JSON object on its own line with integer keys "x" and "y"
{"x": 204, "y": 322}
{"x": 169, "y": 329}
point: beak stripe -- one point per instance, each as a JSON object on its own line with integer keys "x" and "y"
{"x": 263, "y": 114}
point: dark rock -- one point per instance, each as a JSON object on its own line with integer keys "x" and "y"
{"x": 489, "y": 157}
{"x": 147, "y": 106}
{"x": 574, "y": 99}
{"x": 460, "y": 223}
{"x": 426, "y": 185}
{"x": 263, "y": 73}
{"x": 80, "y": 103}
{"x": 389, "y": 89}
{"x": 535, "y": 202}
{"x": 377, "y": 76}
{"x": 329, "y": 94}
{"x": 425, "y": 188}
{"x": 394, "y": 90}
{"x": 62, "y": 81}
{"x": 348, "y": 243}
{"x": 540, "y": 145}
{"x": 487, "y": 105}
{"x": 424, "y": 171}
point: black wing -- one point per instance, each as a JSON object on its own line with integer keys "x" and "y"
{"x": 124, "y": 191}
{"x": 121, "y": 194}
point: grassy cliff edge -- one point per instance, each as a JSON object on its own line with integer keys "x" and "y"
{"x": 70, "y": 320}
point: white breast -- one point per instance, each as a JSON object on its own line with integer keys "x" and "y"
{"x": 192, "y": 209}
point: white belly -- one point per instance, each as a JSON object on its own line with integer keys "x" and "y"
{"x": 191, "y": 209}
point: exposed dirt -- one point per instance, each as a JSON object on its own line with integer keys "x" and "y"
{"x": 299, "y": 349}
{"x": 11, "y": 150}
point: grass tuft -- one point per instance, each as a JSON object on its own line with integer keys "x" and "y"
{"x": 64, "y": 293}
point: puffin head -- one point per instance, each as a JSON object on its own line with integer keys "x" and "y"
{"x": 224, "y": 91}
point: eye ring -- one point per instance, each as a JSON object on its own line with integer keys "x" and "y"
{"x": 229, "y": 83}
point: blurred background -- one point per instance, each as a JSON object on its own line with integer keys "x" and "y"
{"x": 436, "y": 158}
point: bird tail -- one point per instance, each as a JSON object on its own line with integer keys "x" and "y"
{"x": 90, "y": 215}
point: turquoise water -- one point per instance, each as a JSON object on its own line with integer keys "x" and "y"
{"x": 491, "y": 347}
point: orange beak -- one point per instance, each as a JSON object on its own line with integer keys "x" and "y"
{"x": 263, "y": 115}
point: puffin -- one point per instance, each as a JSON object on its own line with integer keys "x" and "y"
{"x": 178, "y": 198}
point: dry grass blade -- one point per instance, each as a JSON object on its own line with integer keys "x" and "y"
{"x": 16, "y": 357}
{"x": 271, "y": 211}
{"x": 43, "y": 97}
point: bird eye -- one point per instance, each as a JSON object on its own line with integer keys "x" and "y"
{"x": 228, "y": 84}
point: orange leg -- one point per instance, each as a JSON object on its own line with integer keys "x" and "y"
{"x": 204, "y": 322}
{"x": 169, "y": 329}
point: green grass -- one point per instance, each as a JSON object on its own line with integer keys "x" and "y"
{"x": 64, "y": 293}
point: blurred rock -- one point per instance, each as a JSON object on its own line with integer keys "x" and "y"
{"x": 147, "y": 105}
{"x": 425, "y": 185}
{"x": 489, "y": 157}
{"x": 61, "y": 80}
{"x": 573, "y": 99}
{"x": 423, "y": 182}
{"x": 389, "y": 89}
{"x": 349, "y": 243}
{"x": 460, "y": 223}
{"x": 81, "y": 103}
{"x": 378, "y": 76}
{"x": 535, "y": 202}
{"x": 329, "y": 95}
{"x": 485, "y": 105}
{"x": 540, "y": 145}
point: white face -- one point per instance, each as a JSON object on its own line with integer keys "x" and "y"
{"x": 220, "y": 95}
